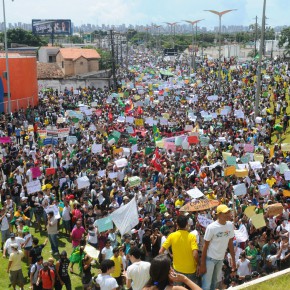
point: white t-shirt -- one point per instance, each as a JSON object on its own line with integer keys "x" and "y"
{"x": 66, "y": 213}
{"x": 243, "y": 267}
{"x": 29, "y": 243}
{"x": 4, "y": 226}
{"x": 108, "y": 252}
{"x": 138, "y": 272}
{"x": 218, "y": 235}
{"x": 106, "y": 282}
{"x": 8, "y": 243}
{"x": 195, "y": 232}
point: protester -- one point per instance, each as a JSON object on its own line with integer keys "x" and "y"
{"x": 184, "y": 249}
{"x": 163, "y": 277}
{"x": 218, "y": 237}
{"x": 133, "y": 277}
{"x": 14, "y": 267}
{"x": 104, "y": 280}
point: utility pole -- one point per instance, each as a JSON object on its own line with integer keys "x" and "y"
{"x": 113, "y": 60}
{"x": 256, "y": 35}
{"x": 259, "y": 69}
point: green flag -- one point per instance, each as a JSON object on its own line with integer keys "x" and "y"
{"x": 133, "y": 140}
{"x": 149, "y": 150}
{"x": 116, "y": 135}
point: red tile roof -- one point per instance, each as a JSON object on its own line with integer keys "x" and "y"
{"x": 74, "y": 53}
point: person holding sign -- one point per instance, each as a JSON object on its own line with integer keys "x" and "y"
{"x": 218, "y": 237}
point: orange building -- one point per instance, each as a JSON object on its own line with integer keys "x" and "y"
{"x": 23, "y": 81}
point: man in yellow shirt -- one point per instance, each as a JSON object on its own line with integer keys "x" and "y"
{"x": 117, "y": 274}
{"x": 184, "y": 249}
{"x": 271, "y": 181}
{"x": 179, "y": 202}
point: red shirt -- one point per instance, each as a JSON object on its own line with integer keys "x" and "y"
{"x": 47, "y": 281}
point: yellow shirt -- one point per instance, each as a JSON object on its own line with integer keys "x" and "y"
{"x": 16, "y": 258}
{"x": 118, "y": 266}
{"x": 271, "y": 181}
{"x": 182, "y": 243}
{"x": 179, "y": 203}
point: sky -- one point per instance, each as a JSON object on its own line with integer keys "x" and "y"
{"x": 146, "y": 12}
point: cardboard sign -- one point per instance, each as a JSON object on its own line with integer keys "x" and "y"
{"x": 50, "y": 171}
{"x": 258, "y": 220}
{"x": 250, "y": 211}
{"x": 33, "y": 186}
{"x": 195, "y": 193}
{"x": 200, "y": 205}
{"x": 286, "y": 193}
{"x": 241, "y": 173}
{"x": 240, "y": 189}
{"x": 230, "y": 170}
{"x": 249, "y": 148}
{"x": 275, "y": 209}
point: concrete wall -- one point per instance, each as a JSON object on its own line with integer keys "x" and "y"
{"x": 60, "y": 85}
{"x": 45, "y": 52}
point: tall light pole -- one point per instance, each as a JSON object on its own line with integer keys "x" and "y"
{"x": 172, "y": 26}
{"x": 157, "y": 27}
{"x": 7, "y": 60}
{"x": 193, "y": 63}
{"x": 258, "y": 91}
{"x": 220, "y": 14}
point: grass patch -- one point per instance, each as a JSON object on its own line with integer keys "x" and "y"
{"x": 279, "y": 283}
{"x": 64, "y": 244}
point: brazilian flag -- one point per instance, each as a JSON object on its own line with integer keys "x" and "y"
{"x": 156, "y": 133}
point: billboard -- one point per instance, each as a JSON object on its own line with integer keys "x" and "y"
{"x": 170, "y": 52}
{"x": 51, "y": 26}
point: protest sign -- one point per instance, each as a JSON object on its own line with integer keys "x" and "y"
{"x": 50, "y": 171}
{"x": 83, "y": 182}
{"x": 92, "y": 252}
{"x": 231, "y": 160}
{"x": 287, "y": 174}
{"x": 113, "y": 175}
{"x": 264, "y": 189}
{"x": 195, "y": 193}
{"x": 104, "y": 224}
{"x": 241, "y": 235}
{"x": 249, "y": 148}
{"x": 126, "y": 217}
{"x": 33, "y": 186}
{"x": 283, "y": 167}
{"x": 226, "y": 155}
{"x": 101, "y": 173}
{"x": 134, "y": 181}
{"x": 199, "y": 205}
{"x": 203, "y": 221}
{"x": 71, "y": 140}
{"x": 256, "y": 165}
{"x": 259, "y": 157}
{"x": 230, "y": 170}
{"x": 121, "y": 162}
{"x": 35, "y": 172}
{"x": 275, "y": 209}
{"x": 286, "y": 193}
{"x": 240, "y": 189}
{"x": 250, "y": 211}
{"x": 258, "y": 220}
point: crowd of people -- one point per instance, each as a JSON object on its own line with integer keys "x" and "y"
{"x": 169, "y": 142}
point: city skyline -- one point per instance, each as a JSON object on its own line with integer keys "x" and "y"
{"x": 137, "y": 12}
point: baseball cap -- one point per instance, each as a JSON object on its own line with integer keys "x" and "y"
{"x": 222, "y": 209}
{"x": 12, "y": 235}
{"x": 25, "y": 229}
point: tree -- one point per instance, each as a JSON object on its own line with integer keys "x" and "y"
{"x": 76, "y": 39}
{"x": 21, "y": 36}
{"x": 284, "y": 40}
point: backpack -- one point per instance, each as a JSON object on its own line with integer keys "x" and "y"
{"x": 29, "y": 270}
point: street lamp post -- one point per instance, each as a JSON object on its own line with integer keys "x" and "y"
{"x": 193, "y": 63}
{"x": 258, "y": 91}
{"x": 7, "y": 61}
{"x": 172, "y": 26}
{"x": 220, "y": 14}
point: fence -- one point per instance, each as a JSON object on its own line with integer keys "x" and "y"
{"x": 17, "y": 104}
